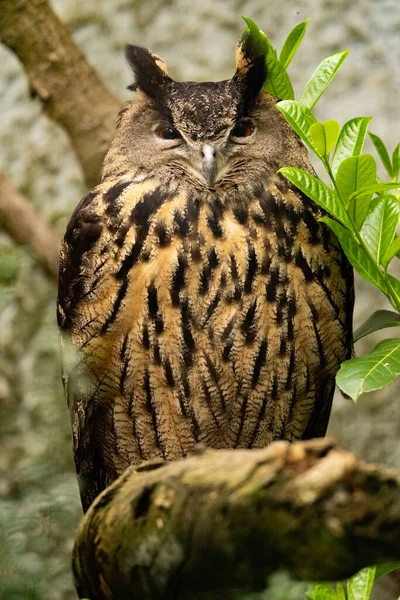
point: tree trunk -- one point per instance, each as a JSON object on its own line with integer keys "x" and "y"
{"x": 70, "y": 90}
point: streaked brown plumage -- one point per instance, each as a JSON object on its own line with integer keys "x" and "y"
{"x": 201, "y": 299}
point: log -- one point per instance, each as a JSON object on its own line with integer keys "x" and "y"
{"x": 217, "y": 524}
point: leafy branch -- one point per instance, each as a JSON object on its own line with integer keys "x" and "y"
{"x": 363, "y": 211}
{"x": 358, "y": 587}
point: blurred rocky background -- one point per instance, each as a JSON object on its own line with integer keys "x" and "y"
{"x": 39, "y": 502}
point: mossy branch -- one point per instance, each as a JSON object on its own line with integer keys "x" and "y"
{"x": 217, "y": 524}
{"x": 70, "y": 90}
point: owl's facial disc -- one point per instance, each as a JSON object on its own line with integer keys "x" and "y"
{"x": 206, "y": 157}
{"x": 200, "y": 155}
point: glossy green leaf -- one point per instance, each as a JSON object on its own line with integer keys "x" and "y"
{"x": 321, "y": 591}
{"x": 324, "y": 136}
{"x": 383, "y": 153}
{"x": 380, "y": 319}
{"x": 354, "y": 173}
{"x": 321, "y": 78}
{"x": 376, "y": 188}
{"x": 300, "y": 115}
{"x": 292, "y": 43}
{"x": 258, "y": 37}
{"x": 392, "y": 251}
{"x": 300, "y": 118}
{"x": 396, "y": 162}
{"x": 382, "y": 570}
{"x": 393, "y": 284}
{"x": 359, "y": 587}
{"x": 373, "y": 371}
{"x": 340, "y": 593}
{"x": 351, "y": 140}
{"x": 332, "y": 130}
{"x": 379, "y": 227}
{"x": 277, "y": 81}
{"x": 316, "y": 136}
{"x": 357, "y": 256}
{"x": 317, "y": 191}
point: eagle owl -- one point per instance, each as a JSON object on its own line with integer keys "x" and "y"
{"x": 200, "y": 300}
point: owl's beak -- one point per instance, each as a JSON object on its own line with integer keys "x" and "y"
{"x": 209, "y": 163}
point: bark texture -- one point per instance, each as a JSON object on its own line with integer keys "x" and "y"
{"x": 26, "y": 226}
{"x": 70, "y": 90}
{"x": 215, "y": 525}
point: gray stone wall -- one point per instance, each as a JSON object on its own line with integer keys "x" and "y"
{"x": 39, "y": 505}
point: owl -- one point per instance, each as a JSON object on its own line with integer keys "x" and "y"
{"x": 200, "y": 300}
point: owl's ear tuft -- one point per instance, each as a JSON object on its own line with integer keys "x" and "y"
{"x": 251, "y": 69}
{"x": 150, "y": 71}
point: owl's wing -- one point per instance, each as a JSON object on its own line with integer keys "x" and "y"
{"x": 320, "y": 415}
{"x": 319, "y": 420}
{"x": 82, "y": 232}
{"x": 83, "y": 252}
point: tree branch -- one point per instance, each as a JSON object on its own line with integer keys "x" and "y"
{"x": 71, "y": 92}
{"x": 27, "y": 227}
{"x": 217, "y": 524}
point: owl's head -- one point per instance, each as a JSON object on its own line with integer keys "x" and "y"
{"x": 214, "y": 132}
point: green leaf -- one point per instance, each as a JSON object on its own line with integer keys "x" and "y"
{"x": 379, "y": 227}
{"x": 357, "y": 256}
{"x": 383, "y": 153}
{"x": 396, "y": 162}
{"x": 300, "y": 118}
{"x": 382, "y": 570}
{"x": 392, "y": 251}
{"x": 324, "y": 136}
{"x": 277, "y": 81}
{"x": 300, "y": 115}
{"x": 374, "y": 189}
{"x": 373, "y": 371}
{"x": 351, "y": 140}
{"x": 340, "y": 593}
{"x": 354, "y": 173}
{"x": 393, "y": 285}
{"x": 321, "y": 591}
{"x": 359, "y": 586}
{"x": 317, "y": 191}
{"x": 380, "y": 319}
{"x": 316, "y": 135}
{"x": 321, "y": 78}
{"x": 258, "y": 38}
{"x": 292, "y": 43}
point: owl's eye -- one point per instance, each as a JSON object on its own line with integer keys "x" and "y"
{"x": 167, "y": 133}
{"x": 243, "y": 128}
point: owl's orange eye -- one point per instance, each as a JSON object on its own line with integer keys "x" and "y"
{"x": 167, "y": 133}
{"x": 243, "y": 128}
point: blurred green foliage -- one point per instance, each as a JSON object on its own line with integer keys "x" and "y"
{"x": 39, "y": 501}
